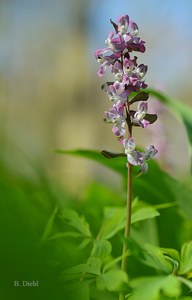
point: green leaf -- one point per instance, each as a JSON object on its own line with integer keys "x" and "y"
{"x": 171, "y": 252}
{"x": 115, "y": 261}
{"x": 155, "y": 258}
{"x": 150, "y": 288}
{"x": 172, "y": 255}
{"x": 117, "y": 164}
{"x": 143, "y": 213}
{"x": 61, "y": 235}
{"x": 114, "y": 221}
{"x": 181, "y": 110}
{"x": 84, "y": 243}
{"x": 156, "y": 184}
{"x": 151, "y": 118}
{"x": 49, "y": 224}
{"x": 111, "y": 280}
{"x": 101, "y": 249}
{"x": 186, "y": 259}
{"x": 180, "y": 298}
{"x": 142, "y": 96}
{"x": 109, "y": 154}
{"x": 96, "y": 294}
{"x": 185, "y": 281}
{"x": 77, "y": 287}
{"x": 150, "y": 255}
{"x": 93, "y": 266}
{"x": 77, "y": 222}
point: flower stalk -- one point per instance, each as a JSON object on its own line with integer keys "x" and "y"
{"x": 123, "y": 92}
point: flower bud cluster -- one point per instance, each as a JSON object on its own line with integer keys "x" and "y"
{"x": 126, "y": 87}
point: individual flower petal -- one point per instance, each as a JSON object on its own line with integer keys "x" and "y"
{"x": 144, "y": 123}
{"x": 102, "y": 70}
{"x": 134, "y": 28}
{"x": 150, "y": 153}
{"x": 140, "y": 114}
{"x": 129, "y": 145}
{"x": 141, "y": 71}
{"x": 123, "y": 23}
{"x": 119, "y": 129}
{"x": 109, "y": 39}
{"x": 135, "y": 158}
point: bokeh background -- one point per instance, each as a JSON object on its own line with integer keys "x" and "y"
{"x": 50, "y": 95}
{"x": 50, "y": 98}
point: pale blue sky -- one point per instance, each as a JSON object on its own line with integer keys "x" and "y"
{"x": 164, "y": 24}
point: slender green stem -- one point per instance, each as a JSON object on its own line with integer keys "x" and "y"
{"x": 127, "y": 223}
{"x": 128, "y": 206}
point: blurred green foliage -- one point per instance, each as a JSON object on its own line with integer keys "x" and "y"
{"x": 73, "y": 247}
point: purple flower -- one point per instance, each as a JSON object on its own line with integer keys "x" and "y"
{"x": 115, "y": 115}
{"x": 117, "y": 98}
{"x": 134, "y": 43}
{"x": 120, "y": 44}
{"x": 122, "y": 24}
{"x": 134, "y": 157}
{"x": 141, "y": 71}
{"x": 150, "y": 153}
{"x": 128, "y": 78}
{"x": 116, "y": 44}
{"x": 105, "y": 60}
{"x": 140, "y": 114}
{"x": 137, "y": 158}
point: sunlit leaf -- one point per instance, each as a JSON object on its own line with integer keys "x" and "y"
{"x": 171, "y": 252}
{"x": 186, "y": 258}
{"x": 111, "y": 280}
{"x": 144, "y": 213}
{"x": 150, "y": 288}
{"x": 101, "y": 249}
{"x": 185, "y": 281}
